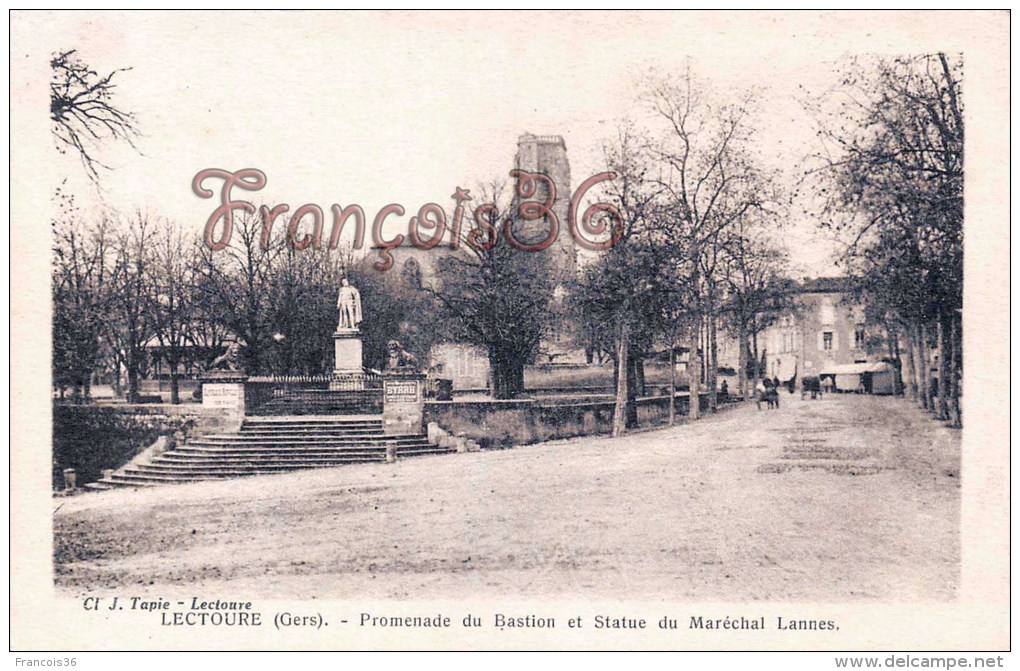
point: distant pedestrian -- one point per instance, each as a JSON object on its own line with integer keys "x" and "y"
{"x": 771, "y": 395}
{"x": 760, "y": 392}
{"x": 724, "y": 390}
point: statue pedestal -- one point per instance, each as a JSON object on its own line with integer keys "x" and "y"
{"x": 347, "y": 350}
{"x": 224, "y": 392}
{"x": 403, "y": 402}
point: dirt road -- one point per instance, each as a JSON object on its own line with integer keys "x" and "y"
{"x": 848, "y": 498}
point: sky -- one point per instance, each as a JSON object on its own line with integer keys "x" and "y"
{"x": 374, "y": 108}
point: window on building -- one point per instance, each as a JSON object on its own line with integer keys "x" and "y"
{"x": 859, "y": 338}
{"x": 827, "y": 341}
{"x": 827, "y": 312}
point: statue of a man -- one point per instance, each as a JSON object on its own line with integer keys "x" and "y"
{"x": 349, "y": 304}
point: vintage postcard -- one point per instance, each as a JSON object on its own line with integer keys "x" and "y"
{"x": 510, "y": 330}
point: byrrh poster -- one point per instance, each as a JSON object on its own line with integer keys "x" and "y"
{"x": 510, "y": 331}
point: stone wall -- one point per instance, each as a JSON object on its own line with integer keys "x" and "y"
{"x": 499, "y": 424}
{"x": 91, "y": 438}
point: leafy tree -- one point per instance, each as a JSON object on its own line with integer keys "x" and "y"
{"x": 623, "y": 289}
{"x": 302, "y": 311}
{"x": 398, "y": 307}
{"x": 496, "y": 296}
{"x": 891, "y": 179}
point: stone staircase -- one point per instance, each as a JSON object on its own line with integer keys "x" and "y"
{"x": 267, "y": 445}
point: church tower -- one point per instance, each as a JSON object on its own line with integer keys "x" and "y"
{"x": 547, "y": 154}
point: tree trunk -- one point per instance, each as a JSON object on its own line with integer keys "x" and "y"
{"x": 632, "y": 389}
{"x": 672, "y": 383}
{"x": 694, "y": 374}
{"x": 713, "y": 366}
{"x": 620, "y": 409}
{"x": 944, "y": 357}
{"x": 640, "y": 386}
{"x": 132, "y": 378}
{"x": 175, "y": 387}
{"x": 924, "y": 368}
{"x": 911, "y": 368}
{"x": 892, "y": 344}
{"x": 507, "y": 376}
{"x": 915, "y": 344}
{"x": 118, "y": 389}
{"x": 757, "y": 361}
{"x": 742, "y": 365}
{"x": 955, "y": 369}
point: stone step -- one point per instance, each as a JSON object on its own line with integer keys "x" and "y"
{"x": 218, "y": 452}
{"x": 241, "y": 469}
{"x": 304, "y": 419}
{"x": 268, "y": 444}
{"x": 256, "y": 454}
{"x": 270, "y": 454}
{"x": 292, "y": 443}
{"x": 337, "y": 441}
{"x": 311, "y": 453}
{"x": 224, "y": 452}
{"x": 311, "y": 429}
{"x": 145, "y": 477}
{"x": 312, "y": 420}
{"x": 245, "y": 465}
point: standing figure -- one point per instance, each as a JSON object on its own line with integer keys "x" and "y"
{"x": 349, "y": 303}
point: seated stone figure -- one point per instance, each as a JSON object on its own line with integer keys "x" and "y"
{"x": 398, "y": 358}
{"x": 229, "y": 360}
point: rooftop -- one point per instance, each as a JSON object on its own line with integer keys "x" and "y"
{"x": 826, "y": 285}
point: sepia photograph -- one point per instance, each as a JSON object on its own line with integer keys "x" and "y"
{"x": 510, "y": 330}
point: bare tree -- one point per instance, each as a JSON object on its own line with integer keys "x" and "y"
{"x": 174, "y": 268}
{"x": 83, "y": 110}
{"x": 81, "y": 275}
{"x": 756, "y": 292}
{"x": 129, "y": 323}
{"x": 236, "y": 288}
{"x": 710, "y": 180}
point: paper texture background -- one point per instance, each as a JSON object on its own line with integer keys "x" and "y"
{"x": 977, "y": 620}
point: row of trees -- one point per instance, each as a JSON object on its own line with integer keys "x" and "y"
{"x": 699, "y": 215}
{"x": 133, "y": 292}
{"x": 891, "y": 186}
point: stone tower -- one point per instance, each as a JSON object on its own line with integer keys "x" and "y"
{"x": 547, "y": 154}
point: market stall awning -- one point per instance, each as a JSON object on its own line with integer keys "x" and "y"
{"x": 857, "y": 368}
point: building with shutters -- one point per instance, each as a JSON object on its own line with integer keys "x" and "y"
{"x": 822, "y": 333}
